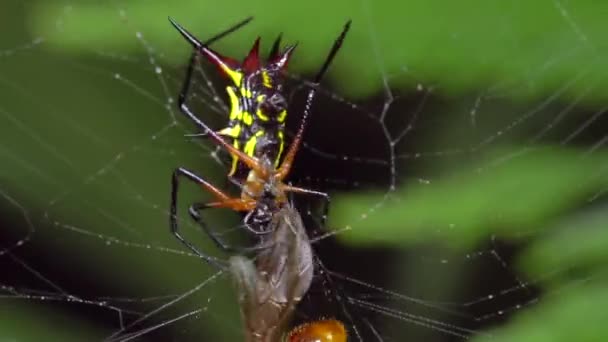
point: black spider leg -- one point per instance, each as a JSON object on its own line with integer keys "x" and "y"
{"x": 195, "y": 212}
{"x": 317, "y": 80}
{"x": 173, "y": 214}
{"x": 188, "y": 174}
{"x": 311, "y": 93}
{"x": 307, "y": 108}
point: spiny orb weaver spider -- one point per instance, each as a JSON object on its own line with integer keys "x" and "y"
{"x": 264, "y": 193}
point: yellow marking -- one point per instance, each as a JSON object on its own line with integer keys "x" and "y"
{"x": 247, "y": 118}
{"x": 250, "y": 145}
{"x": 235, "y": 159}
{"x": 234, "y": 103}
{"x": 261, "y": 115}
{"x": 235, "y": 75}
{"x": 246, "y": 92}
{"x": 281, "y": 145}
{"x": 266, "y": 80}
{"x": 232, "y": 132}
{"x": 282, "y": 115}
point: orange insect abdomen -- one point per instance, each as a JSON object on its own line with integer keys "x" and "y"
{"x": 329, "y": 330}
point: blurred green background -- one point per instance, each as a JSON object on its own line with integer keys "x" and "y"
{"x": 484, "y": 174}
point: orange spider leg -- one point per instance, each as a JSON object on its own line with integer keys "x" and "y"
{"x": 251, "y": 162}
{"x": 236, "y": 204}
{"x": 217, "y": 193}
{"x": 285, "y": 167}
{"x": 287, "y": 162}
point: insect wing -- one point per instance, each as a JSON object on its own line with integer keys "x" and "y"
{"x": 270, "y": 286}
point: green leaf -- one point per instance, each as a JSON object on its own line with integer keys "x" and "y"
{"x": 525, "y": 193}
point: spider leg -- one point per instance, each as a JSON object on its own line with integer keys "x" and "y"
{"x": 181, "y": 172}
{"x": 195, "y": 212}
{"x": 183, "y": 94}
{"x": 251, "y": 162}
{"x": 324, "y": 195}
{"x": 285, "y": 167}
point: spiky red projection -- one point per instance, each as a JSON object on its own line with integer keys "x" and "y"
{"x": 231, "y": 68}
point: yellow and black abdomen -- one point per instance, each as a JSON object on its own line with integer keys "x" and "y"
{"x": 253, "y": 128}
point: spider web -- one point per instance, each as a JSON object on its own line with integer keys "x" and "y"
{"x": 444, "y": 178}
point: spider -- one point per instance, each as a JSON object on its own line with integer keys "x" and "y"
{"x": 263, "y": 191}
{"x": 283, "y": 269}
